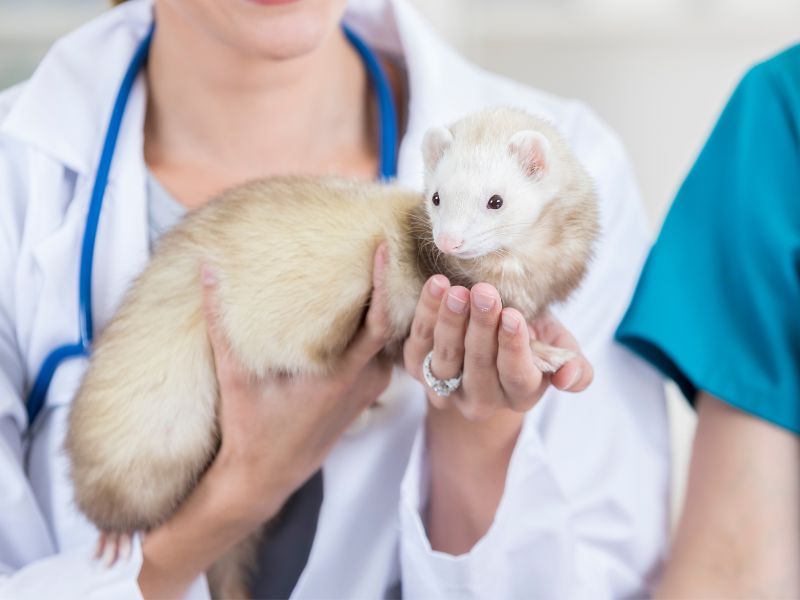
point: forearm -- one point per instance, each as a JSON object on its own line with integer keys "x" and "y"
{"x": 208, "y": 524}
{"x": 739, "y": 535}
{"x": 468, "y": 465}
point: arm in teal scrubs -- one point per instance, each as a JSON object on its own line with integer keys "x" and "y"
{"x": 717, "y": 307}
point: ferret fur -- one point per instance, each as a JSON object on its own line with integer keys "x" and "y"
{"x": 293, "y": 257}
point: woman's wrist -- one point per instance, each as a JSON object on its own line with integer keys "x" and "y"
{"x": 216, "y": 516}
{"x": 472, "y": 445}
{"x": 468, "y": 464}
{"x": 246, "y": 503}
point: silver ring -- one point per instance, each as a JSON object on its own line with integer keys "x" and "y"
{"x": 442, "y": 387}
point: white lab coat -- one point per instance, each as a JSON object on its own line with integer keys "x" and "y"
{"x": 584, "y": 510}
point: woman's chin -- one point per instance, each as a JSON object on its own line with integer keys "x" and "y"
{"x": 285, "y": 29}
{"x": 269, "y": 29}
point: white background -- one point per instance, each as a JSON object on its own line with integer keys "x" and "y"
{"x": 657, "y": 70}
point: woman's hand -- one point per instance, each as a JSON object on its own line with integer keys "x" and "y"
{"x": 471, "y": 329}
{"x": 472, "y": 432}
{"x": 275, "y": 435}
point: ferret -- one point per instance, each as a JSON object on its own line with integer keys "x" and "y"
{"x": 505, "y": 202}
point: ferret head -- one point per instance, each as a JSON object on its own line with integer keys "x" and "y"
{"x": 488, "y": 177}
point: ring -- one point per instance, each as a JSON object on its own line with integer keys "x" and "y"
{"x": 442, "y": 387}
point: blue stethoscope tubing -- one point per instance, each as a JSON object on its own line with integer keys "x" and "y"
{"x": 388, "y": 137}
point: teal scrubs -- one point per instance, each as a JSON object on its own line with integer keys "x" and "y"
{"x": 717, "y": 307}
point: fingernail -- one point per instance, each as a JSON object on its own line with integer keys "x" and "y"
{"x": 437, "y": 286}
{"x": 510, "y": 322}
{"x": 484, "y": 302}
{"x": 456, "y": 304}
{"x": 574, "y": 379}
{"x": 208, "y": 275}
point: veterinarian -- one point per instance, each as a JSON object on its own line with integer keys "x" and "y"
{"x": 718, "y": 311}
{"x": 515, "y": 485}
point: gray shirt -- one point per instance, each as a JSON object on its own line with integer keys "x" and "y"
{"x": 163, "y": 211}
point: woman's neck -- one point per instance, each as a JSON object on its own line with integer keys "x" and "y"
{"x": 216, "y": 117}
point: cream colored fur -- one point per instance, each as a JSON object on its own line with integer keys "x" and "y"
{"x": 294, "y": 258}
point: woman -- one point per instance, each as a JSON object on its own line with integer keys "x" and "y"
{"x": 476, "y": 494}
{"x": 718, "y": 310}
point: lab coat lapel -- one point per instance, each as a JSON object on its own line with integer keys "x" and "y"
{"x": 121, "y": 248}
{"x": 61, "y": 115}
{"x": 120, "y": 253}
{"x": 63, "y": 110}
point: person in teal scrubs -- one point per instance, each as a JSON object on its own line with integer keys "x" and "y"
{"x": 717, "y": 309}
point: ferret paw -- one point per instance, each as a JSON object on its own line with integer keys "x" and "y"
{"x": 112, "y": 547}
{"x": 549, "y": 359}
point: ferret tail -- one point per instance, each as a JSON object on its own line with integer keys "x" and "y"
{"x": 143, "y": 426}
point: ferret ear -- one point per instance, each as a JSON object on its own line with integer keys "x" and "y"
{"x": 436, "y": 141}
{"x": 532, "y": 150}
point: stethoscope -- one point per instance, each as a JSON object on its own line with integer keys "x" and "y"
{"x": 388, "y": 170}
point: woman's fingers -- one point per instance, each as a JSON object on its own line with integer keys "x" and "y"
{"x": 362, "y": 375}
{"x": 423, "y": 327}
{"x": 482, "y": 393}
{"x": 449, "y": 327}
{"x": 375, "y": 332}
{"x": 520, "y": 379}
{"x": 211, "y": 306}
{"x": 228, "y": 371}
{"x": 448, "y": 335}
{"x": 420, "y": 340}
{"x": 575, "y": 375}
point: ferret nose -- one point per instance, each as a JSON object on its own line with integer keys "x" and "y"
{"x": 448, "y": 243}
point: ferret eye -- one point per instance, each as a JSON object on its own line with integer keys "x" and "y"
{"x": 435, "y": 199}
{"x": 495, "y": 202}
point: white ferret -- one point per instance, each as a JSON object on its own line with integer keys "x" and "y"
{"x": 506, "y": 202}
